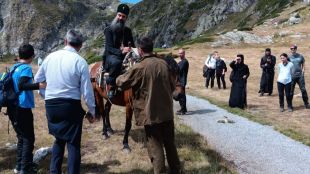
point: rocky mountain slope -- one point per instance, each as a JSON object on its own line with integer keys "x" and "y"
{"x": 172, "y": 21}
{"x": 43, "y": 23}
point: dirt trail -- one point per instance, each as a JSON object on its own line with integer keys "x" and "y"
{"x": 252, "y": 147}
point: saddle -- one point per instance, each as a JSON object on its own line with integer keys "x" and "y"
{"x": 102, "y": 76}
{"x": 130, "y": 59}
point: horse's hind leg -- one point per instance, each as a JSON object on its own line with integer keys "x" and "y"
{"x": 107, "y": 123}
{"x": 127, "y": 128}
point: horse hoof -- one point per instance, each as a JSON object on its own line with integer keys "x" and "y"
{"x": 110, "y": 132}
{"x": 105, "y": 137}
{"x": 126, "y": 149}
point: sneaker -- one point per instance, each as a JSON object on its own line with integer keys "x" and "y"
{"x": 307, "y": 106}
{"x": 281, "y": 109}
{"x": 261, "y": 94}
{"x": 16, "y": 171}
{"x": 181, "y": 113}
{"x": 290, "y": 109}
{"x": 31, "y": 169}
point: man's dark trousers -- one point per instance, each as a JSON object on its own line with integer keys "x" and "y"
{"x": 301, "y": 83}
{"x": 182, "y": 100}
{"x": 74, "y": 156}
{"x": 220, "y": 77}
{"x": 158, "y": 137}
{"x": 22, "y": 121}
{"x": 210, "y": 76}
{"x": 65, "y": 119}
{"x": 287, "y": 89}
{"x": 113, "y": 65}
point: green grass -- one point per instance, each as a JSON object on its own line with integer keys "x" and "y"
{"x": 270, "y": 8}
{"x": 200, "y": 39}
{"x": 90, "y": 53}
{"x": 295, "y": 135}
{"x": 195, "y": 154}
{"x": 8, "y": 58}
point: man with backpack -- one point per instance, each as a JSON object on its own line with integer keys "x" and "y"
{"x": 20, "y": 113}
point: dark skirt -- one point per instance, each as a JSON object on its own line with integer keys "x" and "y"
{"x": 65, "y": 118}
{"x": 238, "y": 94}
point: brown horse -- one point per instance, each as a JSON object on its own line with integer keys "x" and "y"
{"x": 123, "y": 98}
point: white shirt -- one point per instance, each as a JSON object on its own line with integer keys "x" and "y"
{"x": 210, "y": 62}
{"x": 67, "y": 76}
{"x": 285, "y": 73}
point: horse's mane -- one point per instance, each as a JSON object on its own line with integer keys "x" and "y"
{"x": 170, "y": 60}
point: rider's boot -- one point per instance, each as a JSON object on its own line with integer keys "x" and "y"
{"x": 110, "y": 91}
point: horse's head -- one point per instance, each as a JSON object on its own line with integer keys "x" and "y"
{"x": 174, "y": 72}
{"x": 94, "y": 68}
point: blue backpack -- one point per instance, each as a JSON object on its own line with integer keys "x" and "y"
{"x": 8, "y": 95}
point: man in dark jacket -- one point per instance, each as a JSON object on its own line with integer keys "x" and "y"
{"x": 220, "y": 70}
{"x": 267, "y": 64}
{"x": 118, "y": 42}
{"x": 183, "y": 71}
{"x": 152, "y": 86}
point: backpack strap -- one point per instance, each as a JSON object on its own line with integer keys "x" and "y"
{"x": 15, "y": 67}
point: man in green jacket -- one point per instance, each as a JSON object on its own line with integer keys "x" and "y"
{"x": 153, "y": 86}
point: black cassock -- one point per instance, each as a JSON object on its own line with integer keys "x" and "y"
{"x": 237, "y": 96}
{"x": 266, "y": 83}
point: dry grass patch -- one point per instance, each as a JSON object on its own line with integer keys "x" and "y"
{"x": 261, "y": 109}
{"x": 99, "y": 156}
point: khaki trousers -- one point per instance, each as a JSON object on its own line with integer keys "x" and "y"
{"x": 160, "y": 137}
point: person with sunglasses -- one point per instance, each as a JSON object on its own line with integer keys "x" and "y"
{"x": 298, "y": 72}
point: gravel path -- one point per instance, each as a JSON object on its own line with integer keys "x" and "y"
{"x": 252, "y": 147}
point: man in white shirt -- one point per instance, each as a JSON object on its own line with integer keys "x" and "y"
{"x": 67, "y": 79}
{"x": 211, "y": 65}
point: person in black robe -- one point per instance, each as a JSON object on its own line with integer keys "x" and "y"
{"x": 238, "y": 77}
{"x": 267, "y": 64}
{"x": 118, "y": 42}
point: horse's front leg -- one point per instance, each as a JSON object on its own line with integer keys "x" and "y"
{"x": 129, "y": 112}
{"x": 107, "y": 123}
{"x": 101, "y": 113}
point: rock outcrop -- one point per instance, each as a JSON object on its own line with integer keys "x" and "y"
{"x": 43, "y": 23}
{"x": 169, "y": 22}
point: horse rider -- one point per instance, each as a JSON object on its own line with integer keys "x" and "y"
{"x": 118, "y": 42}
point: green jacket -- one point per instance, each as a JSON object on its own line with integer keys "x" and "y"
{"x": 152, "y": 86}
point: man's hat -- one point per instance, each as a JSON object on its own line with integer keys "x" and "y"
{"x": 123, "y": 8}
{"x": 294, "y": 46}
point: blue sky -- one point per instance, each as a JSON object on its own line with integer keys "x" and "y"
{"x": 130, "y": 1}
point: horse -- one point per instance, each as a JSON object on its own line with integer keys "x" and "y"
{"x": 123, "y": 98}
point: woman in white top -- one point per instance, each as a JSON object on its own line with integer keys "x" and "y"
{"x": 284, "y": 82}
{"x": 211, "y": 64}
